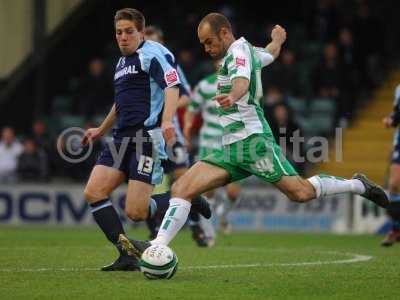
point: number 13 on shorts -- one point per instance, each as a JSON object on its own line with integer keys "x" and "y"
{"x": 145, "y": 164}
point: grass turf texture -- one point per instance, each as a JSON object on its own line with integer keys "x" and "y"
{"x": 53, "y": 263}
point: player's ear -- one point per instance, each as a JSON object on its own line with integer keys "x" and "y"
{"x": 223, "y": 32}
{"x": 141, "y": 34}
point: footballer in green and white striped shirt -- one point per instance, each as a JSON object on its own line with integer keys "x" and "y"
{"x": 249, "y": 147}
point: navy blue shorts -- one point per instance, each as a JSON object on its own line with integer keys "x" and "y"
{"x": 138, "y": 164}
{"x": 396, "y": 148}
{"x": 178, "y": 157}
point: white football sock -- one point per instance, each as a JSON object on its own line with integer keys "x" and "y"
{"x": 330, "y": 185}
{"x": 208, "y": 227}
{"x": 175, "y": 217}
{"x": 228, "y": 206}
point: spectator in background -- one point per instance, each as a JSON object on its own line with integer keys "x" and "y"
{"x": 45, "y": 142}
{"x": 10, "y": 149}
{"x": 76, "y": 169}
{"x": 194, "y": 70}
{"x": 329, "y": 81}
{"x": 324, "y": 21}
{"x": 284, "y": 74}
{"x": 283, "y": 128}
{"x": 350, "y": 72}
{"x": 272, "y": 97}
{"x": 32, "y": 163}
{"x": 94, "y": 92}
{"x": 368, "y": 52}
{"x": 186, "y": 61}
{"x": 41, "y": 136}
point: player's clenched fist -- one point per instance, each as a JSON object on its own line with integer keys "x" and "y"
{"x": 388, "y": 122}
{"x": 278, "y": 34}
{"x": 91, "y": 135}
{"x": 224, "y": 100}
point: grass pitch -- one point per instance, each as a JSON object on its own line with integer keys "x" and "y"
{"x": 54, "y": 263}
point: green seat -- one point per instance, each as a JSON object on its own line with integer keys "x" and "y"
{"x": 305, "y": 75}
{"x": 67, "y": 121}
{"x": 322, "y": 114}
{"x": 323, "y": 106}
{"x": 298, "y": 106}
{"x": 98, "y": 119}
{"x": 62, "y": 105}
{"x": 307, "y": 126}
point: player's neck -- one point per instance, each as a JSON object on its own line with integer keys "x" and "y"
{"x": 230, "y": 40}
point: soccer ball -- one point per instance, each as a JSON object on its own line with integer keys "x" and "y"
{"x": 158, "y": 262}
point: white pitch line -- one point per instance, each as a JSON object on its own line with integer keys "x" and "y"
{"x": 355, "y": 259}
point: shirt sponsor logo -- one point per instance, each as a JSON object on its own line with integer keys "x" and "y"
{"x": 125, "y": 71}
{"x": 171, "y": 77}
{"x": 240, "y": 62}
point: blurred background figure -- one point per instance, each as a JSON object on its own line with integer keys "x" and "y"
{"x": 329, "y": 81}
{"x": 10, "y": 149}
{"x": 347, "y": 57}
{"x": 284, "y": 74}
{"x": 32, "y": 163}
{"x": 94, "y": 93}
{"x": 284, "y": 129}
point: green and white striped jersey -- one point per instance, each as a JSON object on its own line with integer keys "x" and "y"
{"x": 245, "y": 117}
{"x": 202, "y": 101}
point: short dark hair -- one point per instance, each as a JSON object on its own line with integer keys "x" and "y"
{"x": 152, "y": 29}
{"x": 216, "y": 21}
{"x": 131, "y": 14}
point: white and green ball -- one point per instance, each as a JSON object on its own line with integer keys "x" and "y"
{"x": 158, "y": 262}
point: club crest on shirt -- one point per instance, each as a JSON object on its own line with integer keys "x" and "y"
{"x": 171, "y": 77}
{"x": 240, "y": 62}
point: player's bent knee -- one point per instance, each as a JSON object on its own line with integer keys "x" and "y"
{"x": 93, "y": 195}
{"x": 300, "y": 196}
{"x": 136, "y": 215}
{"x": 181, "y": 190}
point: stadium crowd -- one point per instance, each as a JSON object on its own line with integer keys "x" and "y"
{"x": 326, "y": 72}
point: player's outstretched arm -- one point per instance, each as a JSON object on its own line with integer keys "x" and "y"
{"x": 93, "y": 134}
{"x": 171, "y": 104}
{"x": 278, "y": 36}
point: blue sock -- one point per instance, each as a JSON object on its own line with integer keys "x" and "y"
{"x": 152, "y": 208}
{"x": 162, "y": 201}
{"x": 394, "y": 197}
{"x": 193, "y": 219}
{"x": 108, "y": 219}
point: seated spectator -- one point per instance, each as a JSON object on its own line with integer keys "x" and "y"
{"x": 272, "y": 97}
{"x": 284, "y": 130}
{"x": 283, "y": 74}
{"x": 370, "y": 54}
{"x": 329, "y": 80}
{"x": 10, "y": 149}
{"x": 94, "y": 94}
{"x": 46, "y": 142}
{"x": 347, "y": 57}
{"x": 323, "y": 20}
{"x": 68, "y": 160}
{"x": 41, "y": 136}
{"x": 32, "y": 163}
{"x": 328, "y": 74}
